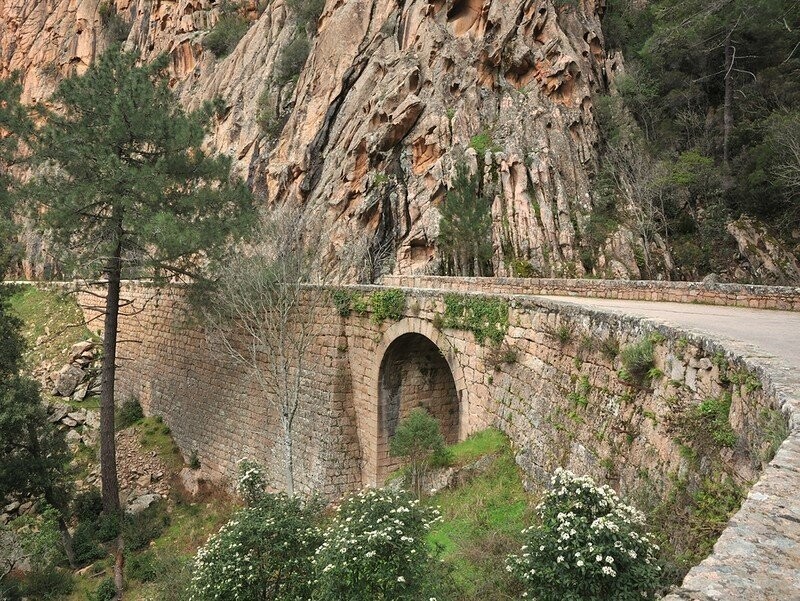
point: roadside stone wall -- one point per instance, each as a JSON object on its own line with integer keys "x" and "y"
{"x": 732, "y": 295}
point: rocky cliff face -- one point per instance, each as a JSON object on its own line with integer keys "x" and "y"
{"x": 392, "y": 95}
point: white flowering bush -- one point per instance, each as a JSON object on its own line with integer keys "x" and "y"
{"x": 264, "y": 552}
{"x": 375, "y": 550}
{"x": 588, "y": 546}
{"x": 251, "y": 483}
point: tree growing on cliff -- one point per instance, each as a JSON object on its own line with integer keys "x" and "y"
{"x": 465, "y": 229}
{"x": 263, "y": 314}
{"x": 127, "y": 191}
{"x": 15, "y": 128}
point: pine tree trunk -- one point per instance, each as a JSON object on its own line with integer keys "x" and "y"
{"x": 108, "y": 450}
{"x": 108, "y": 446}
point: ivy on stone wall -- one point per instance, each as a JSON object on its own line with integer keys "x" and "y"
{"x": 486, "y": 318}
{"x": 388, "y": 304}
{"x": 385, "y": 304}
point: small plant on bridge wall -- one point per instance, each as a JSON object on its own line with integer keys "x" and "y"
{"x": 388, "y": 304}
{"x": 637, "y": 361}
{"x": 342, "y": 300}
{"x": 486, "y": 318}
{"x": 376, "y": 549}
{"x": 587, "y": 545}
{"x": 706, "y": 427}
{"x": 419, "y": 439}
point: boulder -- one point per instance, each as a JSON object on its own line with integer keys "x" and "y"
{"x": 67, "y": 379}
{"x": 140, "y": 503}
{"x": 78, "y": 417}
{"x": 190, "y": 480}
{"x": 92, "y": 419}
{"x": 80, "y": 349}
{"x": 59, "y": 412}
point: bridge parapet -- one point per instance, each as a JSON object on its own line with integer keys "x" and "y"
{"x": 732, "y": 295}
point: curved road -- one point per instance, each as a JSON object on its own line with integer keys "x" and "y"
{"x": 766, "y": 333}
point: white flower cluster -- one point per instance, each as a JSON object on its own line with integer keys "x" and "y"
{"x": 266, "y": 546}
{"x": 586, "y": 537}
{"x": 378, "y": 539}
{"x": 251, "y": 483}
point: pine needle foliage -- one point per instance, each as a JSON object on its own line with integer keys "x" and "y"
{"x": 465, "y": 229}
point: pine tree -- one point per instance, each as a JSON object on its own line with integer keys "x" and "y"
{"x": 127, "y": 191}
{"x": 465, "y": 229}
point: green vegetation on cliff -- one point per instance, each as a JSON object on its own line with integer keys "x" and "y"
{"x": 714, "y": 90}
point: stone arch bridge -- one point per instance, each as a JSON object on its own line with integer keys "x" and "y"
{"x": 546, "y": 371}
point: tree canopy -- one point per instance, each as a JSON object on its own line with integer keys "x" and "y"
{"x": 123, "y": 170}
{"x": 713, "y": 84}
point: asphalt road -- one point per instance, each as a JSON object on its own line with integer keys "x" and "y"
{"x": 768, "y": 333}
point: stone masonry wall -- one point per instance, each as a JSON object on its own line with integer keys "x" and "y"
{"x": 733, "y": 295}
{"x": 213, "y": 408}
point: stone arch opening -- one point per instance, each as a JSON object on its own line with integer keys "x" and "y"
{"x": 414, "y": 373}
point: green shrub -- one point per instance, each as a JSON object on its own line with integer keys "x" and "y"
{"x": 483, "y": 142}
{"x": 142, "y": 567}
{"x": 267, "y": 117}
{"x": 388, "y": 304}
{"x": 486, "y": 318}
{"x": 105, "y": 592}
{"x": 360, "y": 304}
{"x": 637, "y": 360}
{"x": 291, "y": 60}
{"x": 106, "y": 528}
{"x": 47, "y": 583}
{"x": 264, "y": 552}
{"x": 225, "y": 35}
{"x": 419, "y": 439}
{"x": 375, "y": 549}
{"x": 141, "y": 528}
{"x": 587, "y": 545}
{"x": 307, "y": 11}
{"x": 129, "y": 413}
{"x": 194, "y": 460}
{"x": 707, "y": 426}
{"x": 690, "y": 519}
{"x": 342, "y": 300}
{"x": 88, "y": 505}
{"x": 84, "y": 544}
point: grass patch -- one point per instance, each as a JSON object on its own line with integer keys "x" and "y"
{"x": 482, "y": 523}
{"x": 487, "y": 442}
{"x": 155, "y": 435}
{"x": 53, "y": 315}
